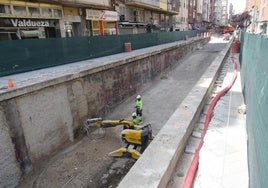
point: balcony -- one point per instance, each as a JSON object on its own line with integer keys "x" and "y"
{"x": 80, "y": 3}
{"x": 154, "y": 5}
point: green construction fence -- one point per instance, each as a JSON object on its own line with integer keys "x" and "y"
{"x": 26, "y": 55}
{"x": 254, "y": 76}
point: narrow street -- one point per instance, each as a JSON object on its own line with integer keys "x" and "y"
{"x": 86, "y": 163}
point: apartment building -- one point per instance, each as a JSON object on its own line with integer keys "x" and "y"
{"x": 252, "y": 6}
{"x": 231, "y": 11}
{"x": 138, "y": 16}
{"x": 224, "y": 13}
{"x": 263, "y": 18}
{"x": 217, "y": 13}
{"x": 191, "y": 14}
{"x": 181, "y": 20}
{"x": 21, "y": 19}
{"x": 205, "y": 11}
{"x": 209, "y": 20}
{"x": 199, "y": 8}
{"x": 258, "y": 10}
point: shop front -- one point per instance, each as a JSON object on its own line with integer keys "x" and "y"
{"x": 101, "y": 22}
{"x": 23, "y": 20}
{"x": 18, "y": 28}
{"x": 71, "y": 23}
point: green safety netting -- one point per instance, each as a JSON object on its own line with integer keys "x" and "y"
{"x": 32, "y": 54}
{"x": 254, "y": 75}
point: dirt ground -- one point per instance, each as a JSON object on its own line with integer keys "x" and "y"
{"x": 86, "y": 163}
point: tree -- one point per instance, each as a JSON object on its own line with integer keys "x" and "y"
{"x": 241, "y": 20}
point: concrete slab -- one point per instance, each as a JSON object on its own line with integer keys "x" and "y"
{"x": 223, "y": 157}
{"x": 197, "y": 134}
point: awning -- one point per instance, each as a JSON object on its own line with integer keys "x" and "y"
{"x": 101, "y": 15}
{"x": 29, "y": 34}
{"x": 131, "y": 24}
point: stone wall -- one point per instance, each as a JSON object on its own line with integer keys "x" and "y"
{"x": 10, "y": 169}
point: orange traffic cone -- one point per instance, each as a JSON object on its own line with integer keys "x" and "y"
{"x": 10, "y": 83}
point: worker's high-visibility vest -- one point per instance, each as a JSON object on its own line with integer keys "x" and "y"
{"x": 136, "y": 121}
{"x": 139, "y": 104}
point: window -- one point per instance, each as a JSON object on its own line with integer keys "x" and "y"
{"x": 122, "y": 11}
{"x": 138, "y": 15}
{"x": 19, "y": 10}
{"x": 5, "y": 9}
{"x": 31, "y": 10}
{"x": 34, "y": 12}
{"x": 95, "y": 27}
{"x": 46, "y": 12}
{"x": 57, "y": 13}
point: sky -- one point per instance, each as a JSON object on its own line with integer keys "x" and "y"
{"x": 239, "y": 5}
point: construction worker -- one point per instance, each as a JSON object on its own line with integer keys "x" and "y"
{"x": 139, "y": 106}
{"x": 135, "y": 119}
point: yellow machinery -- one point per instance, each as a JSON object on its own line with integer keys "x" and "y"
{"x": 132, "y": 135}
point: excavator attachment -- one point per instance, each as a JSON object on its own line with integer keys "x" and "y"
{"x": 118, "y": 153}
{"x": 125, "y": 152}
{"x": 134, "y": 153}
{"x": 132, "y": 135}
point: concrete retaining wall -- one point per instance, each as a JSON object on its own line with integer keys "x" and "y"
{"x": 10, "y": 169}
{"x": 39, "y": 118}
{"x": 156, "y": 165}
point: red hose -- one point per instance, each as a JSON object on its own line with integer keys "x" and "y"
{"x": 188, "y": 181}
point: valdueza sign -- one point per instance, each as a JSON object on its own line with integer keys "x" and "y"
{"x": 29, "y": 23}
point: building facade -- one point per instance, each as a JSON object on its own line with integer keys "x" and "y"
{"x": 224, "y": 13}
{"x": 65, "y": 18}
{"x": 252, "y": 6}
{"x": 208, "y": 13}
{"x": 217, "y": 13}
{"x": 199, "y": 9}
{"x": 263, "y": 18}
{"x": 258, "y": 10}
{"x": 22, "y": 19}
{"x": 191, "y": 14}
{"x": 138, "y": 16}
{"x": 231, "y": 11}
{"x": 87, "y": 17}
{"x": 181, "y": 20}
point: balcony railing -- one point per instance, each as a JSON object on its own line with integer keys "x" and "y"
{"x": 147, "y": 2}
{"x": 81, "y": 3}
{"x": 156, "y": 5}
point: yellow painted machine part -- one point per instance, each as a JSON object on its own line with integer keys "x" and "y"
{"x": 121, "y": 151}
{"x": 134, "y": 153}
{"x": 132, "y": 136}
{"x": 118, "y": 153}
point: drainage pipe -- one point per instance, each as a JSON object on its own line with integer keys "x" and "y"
{"x": 188, "y": 181}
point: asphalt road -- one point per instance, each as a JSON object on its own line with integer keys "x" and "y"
{"x": 86, "y": 163}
